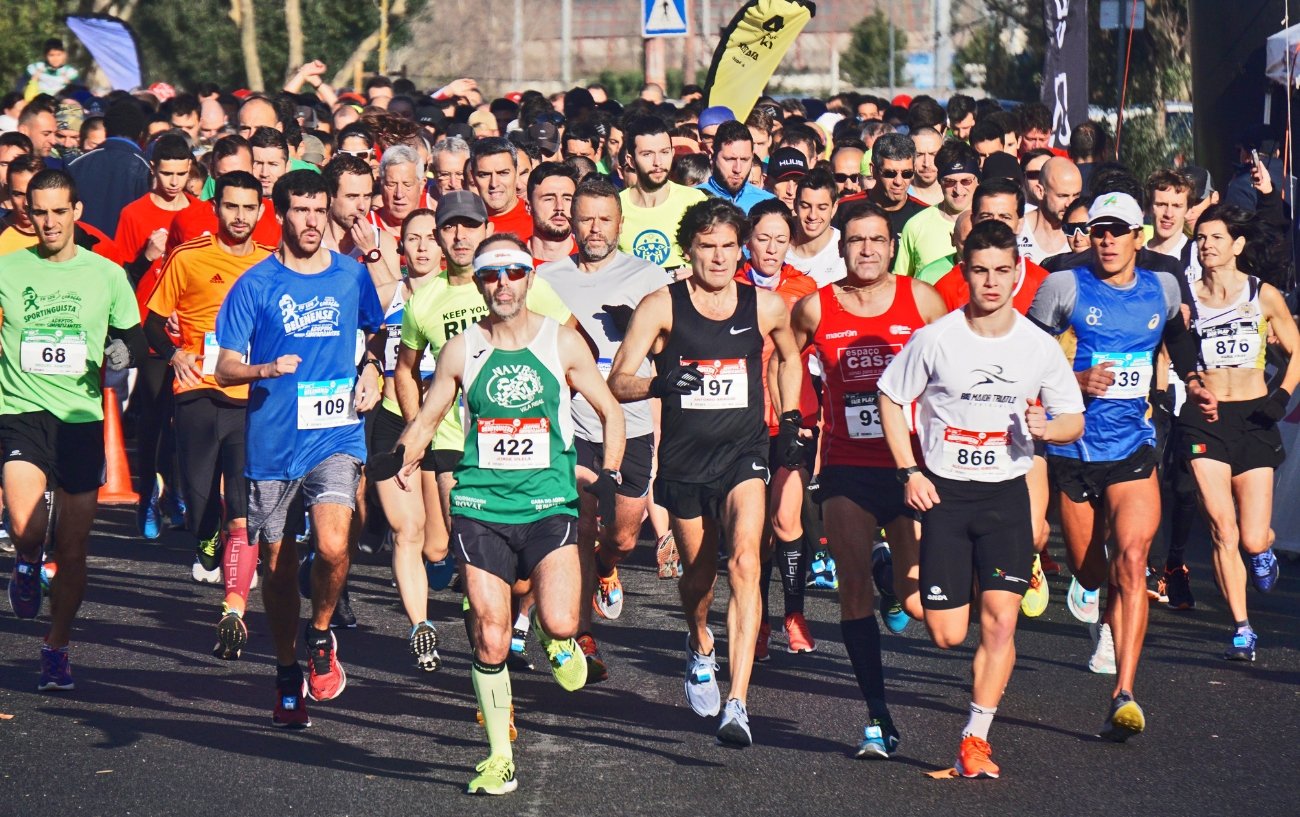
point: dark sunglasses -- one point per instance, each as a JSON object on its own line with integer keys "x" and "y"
{"x": 489, "y": 275}
{"x": 1111, "y": 230}
{"x": 1032, "y": 175}
{"x": 894, "y": 174}
{"x": 1074, "y": 229}
{"x": 845, "y": 178}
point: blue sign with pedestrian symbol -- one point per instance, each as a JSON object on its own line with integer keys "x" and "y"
{"x": 664, "y": 18}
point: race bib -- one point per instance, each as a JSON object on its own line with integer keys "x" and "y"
{"x": 1132, "y": 372}
{"x": 326, "y": 404}
{"x": 1229, "y": 346}
{"x": 726, "y": 385}
{"x": 212, "y": 351}
{"x": 53, "y": 351}
{"x": 862, "y": 415}
{"x": 604, "y": 365}
{"x": 514, "y": 445}
{"x": 982, "y": 455}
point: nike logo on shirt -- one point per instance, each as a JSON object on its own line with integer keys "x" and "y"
{"x": 736, "y": 331}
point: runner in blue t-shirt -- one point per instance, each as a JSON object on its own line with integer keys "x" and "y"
{"x": 1120, "y": 315}
{"x": 294, "y": 317}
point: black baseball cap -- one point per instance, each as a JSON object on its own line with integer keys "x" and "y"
{"x": 786, "y": 162}
{"x": 461, "y": 204}
{"x": 546, "y": 135}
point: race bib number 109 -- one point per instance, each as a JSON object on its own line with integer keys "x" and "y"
{"x": 326, "y": 404}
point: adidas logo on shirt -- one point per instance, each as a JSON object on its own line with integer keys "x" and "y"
{"x": 216, "y": 279}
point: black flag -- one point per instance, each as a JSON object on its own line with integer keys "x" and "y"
{"x": 1065, "y": 68}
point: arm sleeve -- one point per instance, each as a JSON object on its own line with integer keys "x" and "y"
{"x": 1054, "y": 302}
{"x": 135, "y": 342}
{"x": 1181, "y": 343}
{"x": 155, "y": 331}
{"x": 1173, "y": 295}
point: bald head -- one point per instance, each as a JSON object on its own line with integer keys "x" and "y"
{"x": 257, "y": 113}
{"x": 212, "y": 118}
{"x": 1062, "y": 184}
{"x": 961, "y": 229}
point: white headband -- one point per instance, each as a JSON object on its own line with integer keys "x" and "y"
{"x": 503, "y": 258}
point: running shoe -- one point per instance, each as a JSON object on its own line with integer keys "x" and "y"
{"x": 291, "y": 706}
{"x": 25, "y": 588}
{"x": 343, "y": 617}
{"x": 207, "y": 561}
{"x": 1242, "y": 646}
{"x": 514, "y": 733}
{"x": 1125, "y": 719}
{"x": 49, "y": 568}
{"x": 441, "y": 572}
{"x": 798, "y": 638}
{"x": 172, "y": 505}
{"x": 326, "y": 679}
{"x": 975, "y": 758}
{"x": 56, "y": 672}
{"x": 821, "y": 572}
{"x": 761, "y": 651}
{"x": 496, "y": 775}
{"x": 6, "y": 543}
{"x": 596, "y": 669}
{"x": 1102, "y": 661}
{"x": 1034, "y": 602}
{"x": 670, "y": 562}
{"x": 879, "y": 739}
{"x": 735, "y": 725}
{"x": 519, "y": 650}
{"x": 568, "y": 662}
{"x": 232, "y": 636}
{"x": 1178, "y": 588}
{"x": 1050, "y": 567}
{"x": 1264, "y": 571}
{"x": 702, "y": 691}
{"x": 148, "y": 514}
{"x": 608, "y": 598}
{"x": 1083, "y": 604}
{"x": 424, "y": 646}
{"x": 1156, "y": 587}
{"x": 304, "y": 575}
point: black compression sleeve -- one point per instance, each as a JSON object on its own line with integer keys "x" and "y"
{"x": 134, "y": 340}
{"x": 1182, "y": 346}
{"x": 155, "y": 331}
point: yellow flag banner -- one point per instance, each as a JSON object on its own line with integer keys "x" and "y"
{"x": 751, "y": 48}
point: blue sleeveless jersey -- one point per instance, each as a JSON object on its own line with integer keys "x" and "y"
{"x": 1123, "y": 326}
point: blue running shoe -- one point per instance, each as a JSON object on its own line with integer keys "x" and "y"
{"x": 1083, "y": 604}
{"x": 56, "y": 672}
{"x": 891, "y": 609}
{"x": 1264, "y": 570}
{"x": 25, "y": 589}
{"x": 149, "y": 515}
{"x": 879, "y": 739}
{"x": 304, "y": 575}
{"x": 441, "y": 572}
{"x": 173, "y": 506}
{"x": 1242, "y": 647}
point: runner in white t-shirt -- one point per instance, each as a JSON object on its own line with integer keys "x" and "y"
{"x": 815, "y": 250}
{"x": 984, "y": 380}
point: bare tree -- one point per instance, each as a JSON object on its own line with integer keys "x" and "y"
{"x": 293, "y": 28}
{"x": 364, "y": 48}
{"x": 241, "y": 12}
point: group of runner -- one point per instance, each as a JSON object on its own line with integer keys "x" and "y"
{"x": 505, "y": 366}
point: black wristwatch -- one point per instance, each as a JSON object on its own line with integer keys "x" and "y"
{"x": 372, "y": 256}
{"x": 904, "y": 474}
{"x": 617, "y": 476}
{"x": 379, "y": 366}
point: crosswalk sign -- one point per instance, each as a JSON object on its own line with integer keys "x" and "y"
{"x": 664, "y": 18}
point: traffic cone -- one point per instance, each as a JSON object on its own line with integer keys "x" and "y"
{"x": 116, "y": 489}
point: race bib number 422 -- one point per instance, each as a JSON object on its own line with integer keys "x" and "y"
{"x": 517, "y": 444}
{"x": 726, "y": 385}
{"x": 326, "y": 404}
{"x": 53, "y": 351}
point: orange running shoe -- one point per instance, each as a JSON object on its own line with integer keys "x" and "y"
{"x": 596, "y": 669}
{"x": 514, "y": 733}
{"x": 1050, "y": 567}
{"x": 761, "y": 646}
{"x": 974, "y": 758}
{"x": 797, "y": 636}
{"x": 670, "y": 563}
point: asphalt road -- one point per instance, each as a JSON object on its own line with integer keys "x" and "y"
{"x": 157, "y": 726}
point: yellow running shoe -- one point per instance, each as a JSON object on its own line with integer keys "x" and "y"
{"x": 496, "y": 775}
{"x": 1034, "y": 602}
{"x": 568, "y": 662}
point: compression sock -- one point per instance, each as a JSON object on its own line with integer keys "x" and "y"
{"x": 1180, "y": 529}
{"x": 240, "y": 567}
{"x": 862, "y": 642}
{"x": 764, "y": 584}
{"x": 981, "y": 718}
{"x": 794, "y": 573}
{"x": 492, "y": 689}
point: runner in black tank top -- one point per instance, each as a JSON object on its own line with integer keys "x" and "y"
{"x": 706, "y": 337}
{"x": 706, "y": 433}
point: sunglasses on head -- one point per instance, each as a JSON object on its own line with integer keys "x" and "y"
{"x": 1074, "y": 229}
{"x": 515, "y": 272}
{"x": 894, "y": 174}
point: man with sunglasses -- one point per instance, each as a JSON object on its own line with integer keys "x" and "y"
{"x": 1041, "y": 234}
{"x": 928, "y": 235}
{"x": 846, "y": 165}
{"x": 515, "y": 504}
{"x": 893, "y": 166}
{"x": 815, "y": 248}
{"x": 1120, "y": 314}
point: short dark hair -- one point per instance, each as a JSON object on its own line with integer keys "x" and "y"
{"x": 53, "y": 44}
{"x": 239, "y": 180}
{"x": 925, "y": 112}
{"x": 26, "y": 163}
{"x": 356, "y": 130}
{"x": 229, "y": 146}
{"x": 43, "y": 103}
{"x": 707, "y": 215}
{"x": 265, "y": 137}
{"x": 641, "y": 126}
{"x": 728, "y": 132}
{"x": 955, "y": 150}
{"x": 377, "y": 81}
{"x": 860, "y": 209}
{"x": 342, "y": 165}
{"x": 183, "y": 105}
{"x": 793, "y": 135}
{"x": 50, "y": 179}
{"x": 125, "y": 118}
{"x": 819, "y": 178}
{"x": 999, "y": 186}
{"x": 988, "y": 235}
{"x": 986, "y": 130}
{"x": 492, "y": 146}
{"x": 1006, "y": 120}
{"x": 546, "y": 170}
{"x": 959, "y": 107}
{"x": 1031, "y": 155}
{"x": 15, "y": 139}
{"x": 1034, "y": 116}
{"x": 297, "y": 183}
{"x": 1118, "y": 180}
{"x": 171, "y": 148}
{"x": 1166, "y": 178}
{"x": 597, "y": 188}
{"x": 1088, "y": 140}
{"x": 772, "y": 207}
{"x": 582, "y": 132}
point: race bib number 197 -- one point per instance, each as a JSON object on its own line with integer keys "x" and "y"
{"x": 726, "y": 385}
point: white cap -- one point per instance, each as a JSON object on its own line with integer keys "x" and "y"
{"x": 1115, "y": 208}
{"x": 828, "y": 121}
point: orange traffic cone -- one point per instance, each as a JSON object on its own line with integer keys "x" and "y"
{"x": 116, "y": 489}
